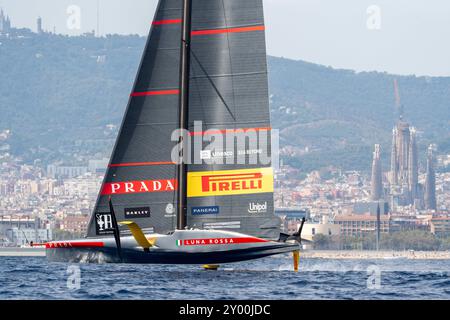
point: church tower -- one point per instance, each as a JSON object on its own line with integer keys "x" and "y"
{"x": 5, "y": 22}
{"x": 39, "y": 26}
{"x": 377, "y": 179}
{"x": 413, "y": 174}
{"x": 430, "y": 182}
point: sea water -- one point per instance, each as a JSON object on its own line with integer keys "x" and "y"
{"x": 269, "y": 278}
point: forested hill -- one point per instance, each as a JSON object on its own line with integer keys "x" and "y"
{"x": 58, "y": 96}
{"x": 343, "y": 113}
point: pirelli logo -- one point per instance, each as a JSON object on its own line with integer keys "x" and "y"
{"x": 231, "y": 182}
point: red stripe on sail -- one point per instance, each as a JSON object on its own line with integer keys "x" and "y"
{"x": 68, "y": 245}
{"x": 155, "y": 93}
{"x": 229, "y": 30}
{"x": 141, "y": 164}
{"x": 168, "y": 21}
{"x": 228, "y": 131}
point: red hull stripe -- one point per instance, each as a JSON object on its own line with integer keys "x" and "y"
{"x": 171, "y": 21}
{"x": 229, "y": 30}
{"x": 141, "y": 164}
{"x": 229, "y": 131}
{"x": 68, "y": 245}
{"x": 155, "y": 93}
{"x": 221, "y": 241}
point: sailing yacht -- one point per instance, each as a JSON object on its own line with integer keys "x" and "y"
{"x": 204, "y": 63}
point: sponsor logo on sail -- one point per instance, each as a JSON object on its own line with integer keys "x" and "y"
{"x": 205, "y": 210}
{"x": 104, "y": 223}
{"x": 230, "y": 182}
{"x": 217, "y": 241}
{"x": 143, "y": 212}
{"x": 222, "y": 225}
{"x": 249, "y": 152}
{"x": 131, "y": 187}
{"x": 209, "y": 154}
{"x": 256, "y": 207}
{"x": 205, "y": 154}
{"x": 170, "y": 210}
{"x": 235, "y": 182}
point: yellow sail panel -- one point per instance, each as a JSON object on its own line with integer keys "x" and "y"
{"x": 230, "y": 182}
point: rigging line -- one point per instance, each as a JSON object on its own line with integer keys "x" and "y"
{"x": 213, "y": 85}
{"x": 200, "y": 96}
{"x": 231, "y": 70}
{"x": 174, "y": 203}
{"x": 229, "y": 55}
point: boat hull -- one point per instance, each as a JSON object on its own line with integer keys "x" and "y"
{"x": 104, "y": 255}
{"x": 204, "y": 247}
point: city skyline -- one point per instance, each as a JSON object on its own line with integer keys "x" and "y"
{"x": 250, "y": 139}
{"x": 63, "y": 193}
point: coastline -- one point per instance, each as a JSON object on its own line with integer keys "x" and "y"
{"x": 22, "y": 252}
{"x": 307, "y": 254}
{"x": 368, "y": 254}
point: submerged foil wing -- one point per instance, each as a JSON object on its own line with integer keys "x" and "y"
{"x": 141, "y": 178}
{"x": 229, "y": 92}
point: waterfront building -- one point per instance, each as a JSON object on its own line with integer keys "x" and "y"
{"x": 360, "y": 225}
{"x": 440, "y": 225}
{"x": 24, "y": 236}
{"x": 75, "y": 224}
{"x": 324, "y": 228}
{"x": 291, "y": 217}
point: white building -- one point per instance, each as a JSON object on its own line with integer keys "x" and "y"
{"x": 324, "y": 228}
{"x": 19, "y": 236}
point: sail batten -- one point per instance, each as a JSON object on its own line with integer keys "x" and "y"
{"x": 227, "y": 30}
{"x": 141, "y": 164}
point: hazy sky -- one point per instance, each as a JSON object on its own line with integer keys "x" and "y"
{"x": 397, "y": 36}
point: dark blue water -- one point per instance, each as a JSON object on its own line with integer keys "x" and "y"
{"x": 270, "y": 278}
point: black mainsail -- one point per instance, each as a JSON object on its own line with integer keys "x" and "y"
{"x": 229, "y": 95}
{"x": 229, "y": 187}
{"x": 141, "y": 177}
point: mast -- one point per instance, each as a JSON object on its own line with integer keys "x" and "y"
{"x": 184, "y": 111}
{"x": 378, "y": 231}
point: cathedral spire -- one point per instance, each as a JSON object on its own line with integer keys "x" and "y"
{"x": 413, "y": 174}
{"x": 377, "y": 180}
{"x": 5, "y": 22}
{"x": 430, "y": 182}
{"x": 394, "y": 166}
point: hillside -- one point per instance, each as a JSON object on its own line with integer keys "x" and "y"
{"x": 342, "y": 113}
{"x": 58, "y": 95}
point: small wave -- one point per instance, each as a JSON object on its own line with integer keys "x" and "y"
{"x": 270, "y": 278}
